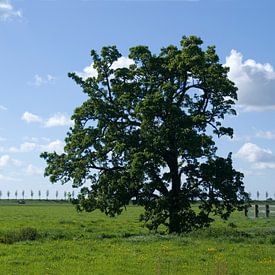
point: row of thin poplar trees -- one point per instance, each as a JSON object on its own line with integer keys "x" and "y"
{"x": 23, "y": 195}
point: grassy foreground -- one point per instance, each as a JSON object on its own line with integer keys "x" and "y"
{"x": 52, "y": 238}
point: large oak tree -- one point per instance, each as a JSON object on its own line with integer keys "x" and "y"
{"x": 146, "y": 133}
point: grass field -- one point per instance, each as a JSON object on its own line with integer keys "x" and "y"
{"x": 43, "y": 237}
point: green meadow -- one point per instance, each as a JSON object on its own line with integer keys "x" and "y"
{"x": 50, "y": 237}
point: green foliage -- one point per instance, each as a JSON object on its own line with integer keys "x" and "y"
{"x": 143, "y": 128}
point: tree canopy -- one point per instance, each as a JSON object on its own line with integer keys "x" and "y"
{"x": 146, "y": 133}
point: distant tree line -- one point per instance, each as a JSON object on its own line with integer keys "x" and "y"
{"x": 66, "y": 195}
{"x": 267, "y": 196}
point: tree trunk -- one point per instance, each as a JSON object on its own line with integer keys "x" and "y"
{"x": 174, "y": 217}
{"x": 174, "y": 199}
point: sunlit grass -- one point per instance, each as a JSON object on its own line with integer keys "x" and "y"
{"x": 68, "y": 242}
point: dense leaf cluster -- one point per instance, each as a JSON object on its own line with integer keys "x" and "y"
{"x": 146, "y": 133}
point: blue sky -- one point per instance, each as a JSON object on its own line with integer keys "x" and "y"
{"x": 41, "y": 41}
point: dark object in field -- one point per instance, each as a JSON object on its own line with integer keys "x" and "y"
{"x": 21, "y": 202}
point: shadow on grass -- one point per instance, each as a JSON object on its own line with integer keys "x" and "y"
{"x": 229, "y": 234}
{"x": 24, "y": 234}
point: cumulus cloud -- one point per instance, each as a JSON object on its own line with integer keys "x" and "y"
{"x": 42, "y": 80}
{"x": 54, "y": 146}
{"x": 26, "y": 147}
{"x": 7, "y": 11}
{"x": 29, "y": 117}
{"x": 6, "y": 160}
{"x": 122, "y": 62}
{"x": 87, "y": 72}
{"x": 255, "y": 81}
{"x": 58, "y": 119}
{"x": 261, "y": 158}
{"x": 90, "y": 71}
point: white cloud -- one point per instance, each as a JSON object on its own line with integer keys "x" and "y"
{"x": 41, "y": 80}
{"x": 24, "y": 148}
{"x": 261, "y": 158}
{"x": 38, "y": 80}
{"x": 29, "y": 117}
{"x": 6, "y": 160}
{"x": 58, "y": 120}
{"x": 90, "y": 71}
{"x": 54, "y": 146}
{"x": 3, "y": 108}
{"x": 7, "y": 11}
{"x": 255, "y": 81}
{"x": 122, "y": 62}
{"x": 43, "y": 145}
{"x": 32, "y": 170}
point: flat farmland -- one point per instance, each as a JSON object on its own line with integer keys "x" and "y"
{"x": 50, "y": 237}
